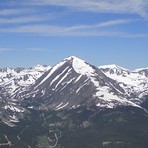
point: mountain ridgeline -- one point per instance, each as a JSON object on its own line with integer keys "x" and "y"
{"x": 73, "y": 105}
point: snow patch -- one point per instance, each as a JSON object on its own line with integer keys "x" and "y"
{"x": 81, "y": 67}
{"x": 13, "y": 108}
{"x": 62, "y": 106}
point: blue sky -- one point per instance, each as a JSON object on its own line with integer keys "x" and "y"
{"x": 98, "y": 31}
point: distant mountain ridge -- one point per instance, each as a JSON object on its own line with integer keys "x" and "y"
{"x": 14, "y": 79}
{"x": 135, "y": 83}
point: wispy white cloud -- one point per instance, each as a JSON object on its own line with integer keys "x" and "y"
{"x": 101, "y": 24}
{"x": 139, "y": 7}
{"x": 6, "y": 49}
{"x": 32, "y": 22}
{"x": 34, "y": 49}
{"x": 99, "y": 29}
{"x": 25, "y": 14}
{"x": 9, "y": 11}
{"x": 23, "y": 19}
{"x": 16, "y": 11}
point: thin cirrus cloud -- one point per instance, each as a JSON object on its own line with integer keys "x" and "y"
{"x": 6, "y": 49}
{"x": 16, "y": 11}
{"x": 102, "y": 24}
{"x": 138, "y": 7}
{"x": 107, "y": 6}
{"x": 23, "y": 15}
{"x": 9, "y": 12}
{"x": 34, "y": 49}
{"x": 29, "y": 20}
{"x": 23, "y": 19}
{"x": 75, "y": 30}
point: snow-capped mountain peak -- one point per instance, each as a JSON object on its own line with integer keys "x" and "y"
{"x": 6, "y": 70}
{"x": 15, "y": 80}
{"x": 113, "y": 66}
{"x": 113, "y": 70}
{"x": 135, "y": 83}
{"x": 39, "y": 67}
{"x": 70, "y": 84}
{"x": 71, "y": 58}
{"x": 73, "y": 81}
{"x": 140, "y": 69}
{"x": 80, "y": 66}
